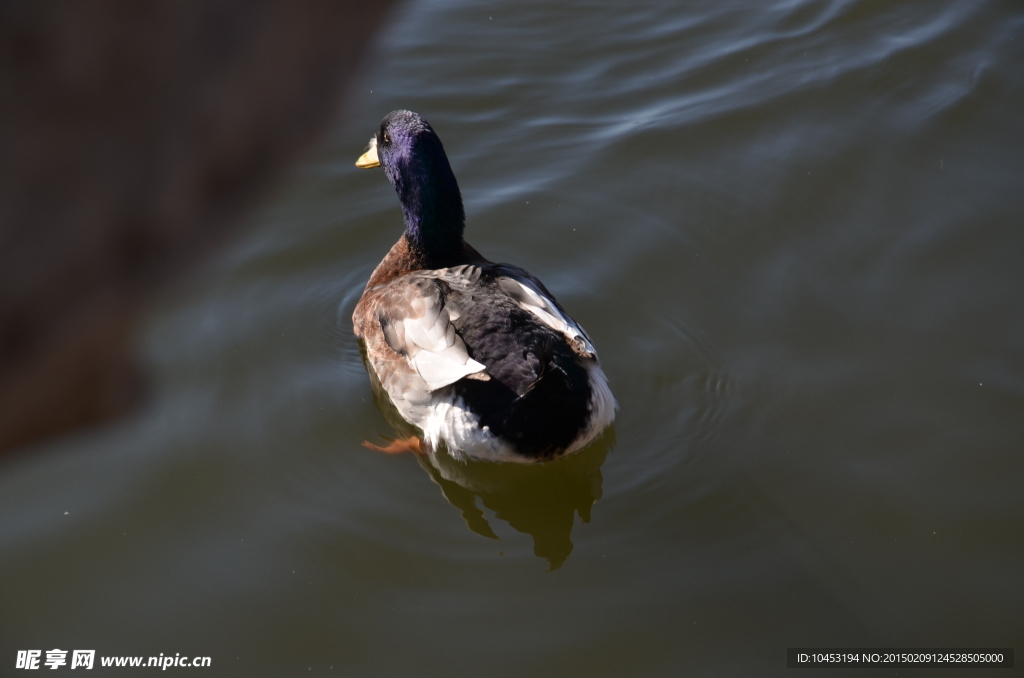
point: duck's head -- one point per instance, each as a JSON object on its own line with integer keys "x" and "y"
{"x": 416, "y": 165}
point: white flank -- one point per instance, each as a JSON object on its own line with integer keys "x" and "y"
{"x": 448, "y": 419}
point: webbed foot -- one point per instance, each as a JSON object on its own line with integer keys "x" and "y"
{"x": 397, "y": 446}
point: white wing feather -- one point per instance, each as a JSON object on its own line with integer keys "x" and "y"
{"x": 442, "y": 358}
{"x": 427, "y": 338}
{"x": 532, "y": 300}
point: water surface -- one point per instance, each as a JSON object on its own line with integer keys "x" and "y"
{"x": 793, "y": 230}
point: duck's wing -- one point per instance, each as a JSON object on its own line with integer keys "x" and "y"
{"x": 530, "y": 294}
{"x": 415, "y": 319}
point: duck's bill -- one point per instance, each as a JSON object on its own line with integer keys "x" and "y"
{"x": 369, "y": 158}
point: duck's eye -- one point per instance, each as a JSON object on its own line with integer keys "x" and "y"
{"x": 387, "y": 137}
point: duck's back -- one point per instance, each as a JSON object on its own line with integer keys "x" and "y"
{"x": 538, "y": 394}
{"x": 489, "y": 339}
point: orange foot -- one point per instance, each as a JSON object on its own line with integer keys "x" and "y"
{"x": 412, "y": 444}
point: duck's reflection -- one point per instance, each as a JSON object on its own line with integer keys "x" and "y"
{"x": 541, "y": 500}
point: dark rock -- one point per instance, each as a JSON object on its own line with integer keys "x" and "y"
{"x": 132, "y": 136}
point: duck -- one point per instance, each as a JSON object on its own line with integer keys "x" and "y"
{"x": 477, "y": 355}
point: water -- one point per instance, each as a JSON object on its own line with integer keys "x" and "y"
{"x": 793, "y": 230}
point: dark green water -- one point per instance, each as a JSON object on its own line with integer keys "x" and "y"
{"x": 794, "y": 232}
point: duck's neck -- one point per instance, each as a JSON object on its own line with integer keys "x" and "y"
{"x": 432, "y": 204}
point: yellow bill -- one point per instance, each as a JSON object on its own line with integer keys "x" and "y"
{"x": 369, "y": 158}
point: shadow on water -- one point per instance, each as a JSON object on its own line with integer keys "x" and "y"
{"x": 541, "y": 500}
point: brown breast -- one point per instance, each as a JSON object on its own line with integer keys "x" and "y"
{"x": 405, "y": 258}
